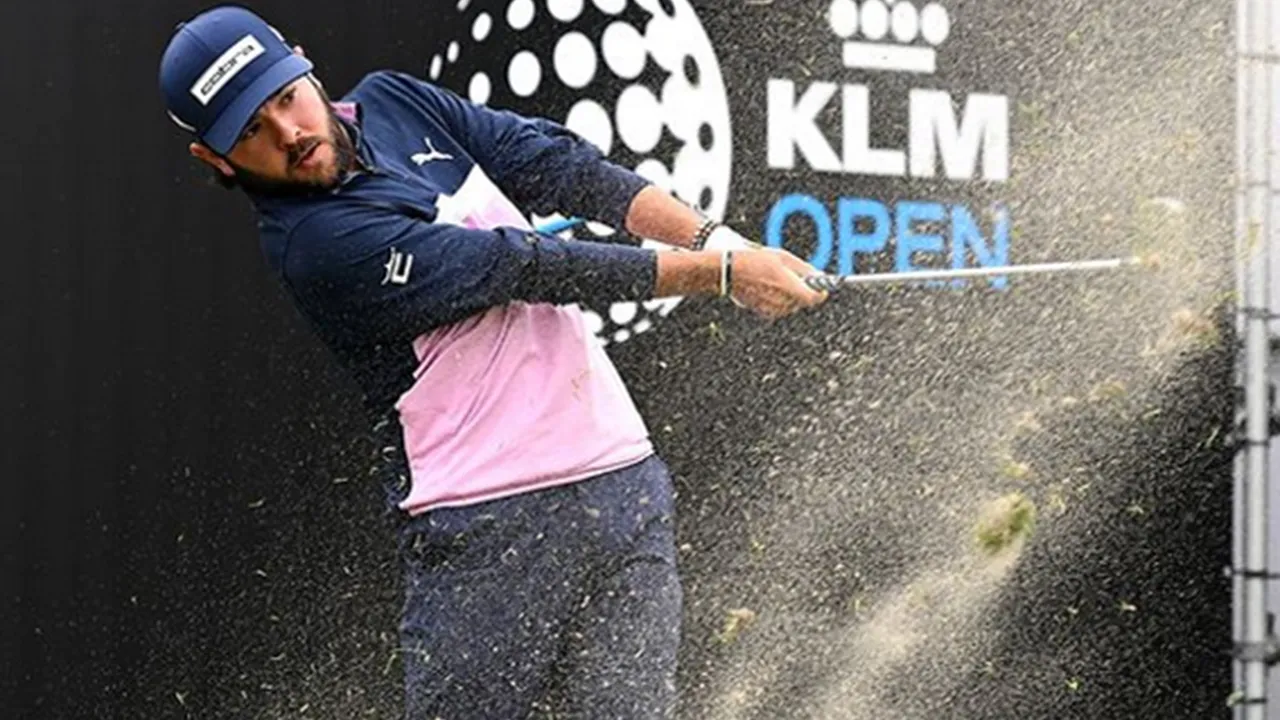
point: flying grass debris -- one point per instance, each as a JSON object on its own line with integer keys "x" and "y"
{"x": 1195, "y": 327}
{"x": 1057, "y": 502}
{"x": 1028, "y": 421}
{"x": 857, "y": 603}
{"x": 735, "y": 622}
{"x": 1109, "y": 390}
{"x": 1015, "y": 470}
{"x": 1004, "y": 522}
{"x": 1213, "y": 435}
{"x": 922, "y": 596}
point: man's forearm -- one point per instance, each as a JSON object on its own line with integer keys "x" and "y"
{"x": 656, "y": 214}
{"x": 681, "y": 274}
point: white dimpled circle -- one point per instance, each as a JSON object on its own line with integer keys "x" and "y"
{"x": 565, "y": 10}
{"x": 655, "y": 172}
{"x": 639, "y": 79}
{"x": 588, "y": 119}
{"x": 575, "y": 60}
{"x": 875, "y": 19}
{"x": 479, "y": 89}
{"x": 483, "y": 24}
{"x": 905, "y": 22}
{"x": 624, "y": 51}
{"x": 524, "y": 73}
{"x": 935, "y": 24}
{"x": 611, "y": 7}
{"x": 520, "y": 14}
{"x": 842, "y": 16}
{"x": 639, "y": 117}
{"x": 623, "y": 314}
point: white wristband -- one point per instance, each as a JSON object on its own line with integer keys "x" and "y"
{"x": 724, "y": 238}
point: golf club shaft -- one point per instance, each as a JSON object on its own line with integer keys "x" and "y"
{"x": 832, "y": 282}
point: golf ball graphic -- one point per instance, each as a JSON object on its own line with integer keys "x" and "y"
{"x": 637, "y": 78}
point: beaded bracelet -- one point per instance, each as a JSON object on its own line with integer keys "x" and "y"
{"x": 700, "y": 238}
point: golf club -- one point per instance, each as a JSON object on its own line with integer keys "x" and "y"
{"x": 834, "y": 282}
{"x": 828, "y": 283}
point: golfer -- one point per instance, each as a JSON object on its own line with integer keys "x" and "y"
{"x": 534, "y": 518}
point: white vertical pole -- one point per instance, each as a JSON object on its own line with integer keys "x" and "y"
{"x": 1253, "y": 238}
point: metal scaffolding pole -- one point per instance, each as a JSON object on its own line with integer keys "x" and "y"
{"x": 1256, "y": 50}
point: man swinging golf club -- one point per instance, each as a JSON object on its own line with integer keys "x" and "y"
{"x": 534, "y": 518}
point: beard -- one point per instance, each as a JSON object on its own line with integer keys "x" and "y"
{"x": 344, "y": 158}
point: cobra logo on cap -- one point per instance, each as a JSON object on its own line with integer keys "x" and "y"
{"x": 227, "y": 66}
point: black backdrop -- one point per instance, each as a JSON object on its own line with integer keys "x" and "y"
{"x": 185, "y": 530}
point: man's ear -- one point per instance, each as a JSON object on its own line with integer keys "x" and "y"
{"x": 297, "y": 50}
{"x": 210, "y": 157}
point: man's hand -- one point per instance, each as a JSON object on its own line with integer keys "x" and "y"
{"x": 770, "y": 282}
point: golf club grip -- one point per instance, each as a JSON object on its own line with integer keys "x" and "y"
{"x": 823, "y": 282}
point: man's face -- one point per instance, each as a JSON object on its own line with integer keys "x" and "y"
{"x": 293, "y": 143}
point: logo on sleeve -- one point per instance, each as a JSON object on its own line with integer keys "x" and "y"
{"x": 431, "y": 154}
{"x": 398, "y": 268}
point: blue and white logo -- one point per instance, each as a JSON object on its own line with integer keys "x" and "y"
{"x": 965, "y": 145}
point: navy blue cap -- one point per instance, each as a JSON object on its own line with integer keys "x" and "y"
{"x": 219, "y": 68}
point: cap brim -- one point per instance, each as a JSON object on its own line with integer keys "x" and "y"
{"x": 224, "y": 132}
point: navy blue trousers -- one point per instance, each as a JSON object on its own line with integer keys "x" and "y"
{"x": 561, "y": 603}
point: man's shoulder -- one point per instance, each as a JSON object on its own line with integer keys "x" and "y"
{"x": 276, "y": 228}
{"x": 278, "y": 217}
{"x": 285, "y": 226}
{"x": 327, "y": 231}
{"x": 385, "y": 85}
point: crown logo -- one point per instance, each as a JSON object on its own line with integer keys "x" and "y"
{"x": 895, "y": 36}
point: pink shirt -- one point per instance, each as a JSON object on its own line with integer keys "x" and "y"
{"x": 515, "y": 399}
